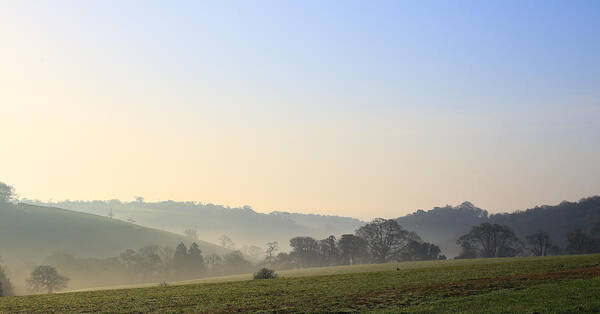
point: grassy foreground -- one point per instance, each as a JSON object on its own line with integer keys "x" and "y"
{"x": 566, "y": 284}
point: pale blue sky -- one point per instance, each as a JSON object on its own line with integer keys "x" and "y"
{"x": 362, "y": 108}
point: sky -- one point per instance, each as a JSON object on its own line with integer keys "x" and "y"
{"x": 352, "y": 108}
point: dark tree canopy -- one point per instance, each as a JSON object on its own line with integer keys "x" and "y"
{"x": 421, "y": 251}
{"x": 46, "y": 278}
{"x": 385, "y": 238}
{"x": 490, "y": 240}
{"x": 353, "y": 249}
{"x": 305, "y": 250}
{"x": 580, "y": 242}
{"x": 7, "y": 193}
{"x": 329, "y": 250}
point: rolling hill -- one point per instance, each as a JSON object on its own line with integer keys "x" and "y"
{"x": 244, "y": 225}
{"x": 443, "y": 225}
{"x": 30, "y": 233}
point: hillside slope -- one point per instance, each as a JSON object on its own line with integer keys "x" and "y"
{"x": 244, "y": 225}
{"x": 443, "y": 225}
{"x": 33, "y": 232}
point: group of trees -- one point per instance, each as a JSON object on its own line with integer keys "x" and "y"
{"x": 379, "y": 241}
{"x": 7, "y": 193}
{"x": 495, "y": 240}
{"x": 43, "y": 278}
{"x": 150, "y": 263}
{"x": 6, "y": 288}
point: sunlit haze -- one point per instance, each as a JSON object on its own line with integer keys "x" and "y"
{"x": 341, "y": 108}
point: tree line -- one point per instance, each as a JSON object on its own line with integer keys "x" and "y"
{"x": 495, "y": 240}
{"x": 380, "y": 241}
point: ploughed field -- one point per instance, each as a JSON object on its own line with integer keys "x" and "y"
{"x": 528, "y": 284}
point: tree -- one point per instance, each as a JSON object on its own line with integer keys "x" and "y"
{"x": 7, "y": 193}
{"x": 236, "y": 262}
{"x": 421, "y": 251}
{"x": 191, "y": 233}
{"x": 213, "y": 260}
{"x": 579, "y": 242}
{"x": 46, "y": 277}
{"x": 385, "y": 238}
{"x": 490, "y": 240}
{"x": 305, "y": 250}
{"x": 353, "y": 249}
{"x": 6, "y": 288}
{"x": 272, "y": 247}
{"x": 467, "y": 250}
{"x": 180, "y": 256}
{"x": 329, "y": 251}
{"x": 151, "y": 261}
{"x": 539, "y": 243}
{"x": 226, "y": 242}
{"x": 195, "y": 259}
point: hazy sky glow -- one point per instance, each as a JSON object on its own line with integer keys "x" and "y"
{"x": 350, "y": 108}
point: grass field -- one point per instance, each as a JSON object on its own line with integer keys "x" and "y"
{"x": 566, "y": 284}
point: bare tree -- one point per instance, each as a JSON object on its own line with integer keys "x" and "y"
{"x": 385, "y": 238}
{"x": 539, "y": 243}
{"x": 490, "y": 240}
{"x": 191, "y": 233}
{"x": 46, "y": 277}
{"x": 226, "y": 242}
{"x": 580, "y": 242}
{"x": 271, "y": 248}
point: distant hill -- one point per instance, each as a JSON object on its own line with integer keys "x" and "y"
{"x": 443, "y": 225}
{"x": 31, "y": 233}
{"x": 243, "y": 225}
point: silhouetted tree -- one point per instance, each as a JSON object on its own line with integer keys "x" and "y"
{"x": 305, "y": 250}
{"x": 490, "y": 240}
{"x": 195, "y": 259}
{"x": 7, "y": 193}
{"x": 421, "y": 251}
{"x": 329, "y": 251}
{"x": 180, "y": 257}
{"x": 539, "y": 243}
{"x": 385, "y": 238}
{"x": 596, "y": 236}
{"x": 353, "y": 249}
{"x": 6, "y": 288}
{"x": 272, "y": 247}
{"x": 46, "y": 277}
{"x": 579, "y": 242}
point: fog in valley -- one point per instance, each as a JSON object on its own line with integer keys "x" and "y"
{"x": 91, "y": 244}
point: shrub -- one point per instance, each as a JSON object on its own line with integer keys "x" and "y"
{"x": 265, "y": 273}
{"x": 163, "y": 284}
